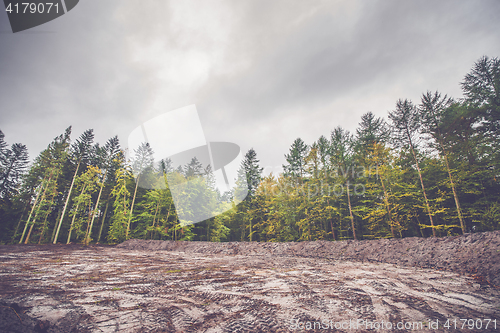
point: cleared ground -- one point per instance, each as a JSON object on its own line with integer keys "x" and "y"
{"x": 123, "y": 289}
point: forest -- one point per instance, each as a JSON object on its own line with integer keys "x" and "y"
{"x": 430, "y": 169}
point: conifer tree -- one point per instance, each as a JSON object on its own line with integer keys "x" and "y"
{"x": 81, "y": 151}
{"x": 121, "y": 206}
{"x": 44, "y": 174}
{"x": 406, "y": 124}
{"x": 107, "y": 159}
{"x": 13, "y": 164}
{"x": 482, "y": 90}
{"x": 432, "y": 113}
{"x": 296, "y": 159}
{"x": 342, "y": 157}
{"x": 141, "y": 165}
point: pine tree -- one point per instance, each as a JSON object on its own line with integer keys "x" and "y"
{"x": 482, "y": 90}
{"x": 295, "y": 159}
{"x": 141, "y": 166}
{"x": 121, "y": 206}
{"x": 193, "y": 169}
{"x": 44, "y": 174}
{"x": 87, "y": 184}
{"x": 253, "y": 174}
{"x": 370, "y": 131}
{"x": 432, "y": 113}
{"x": 342, "y": 158}
{"x": 81, "y": 152}
{"x": 13, "y": 164}
{"x": 406, "y": 124}
{"x": 107, "y": 159}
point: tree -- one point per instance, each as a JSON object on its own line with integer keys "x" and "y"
{"x": 108, "y": 158}
{"x": 481, "y": 88}
{"x": 406, "y": 125}
{"x": 87, "y": 183}
{"x": 432, "y": 112}
{"x": 382, "y": 178}
{"x": 342, "y": 157}
{"x": 296, "y": 159}
{"x": 42, "y": 207}
{"x": 141, "y": 165}
{"x": 119, "y": 222}
{"x": 193, "y": 168}
{"x": 13, "y": 165}
{"x": 44, "y": 174}
{"x": 16, "y": 162}
{"x": 81, "y": 150}
{"x": 253, "y": 173}
{"x": 371, "y": 130}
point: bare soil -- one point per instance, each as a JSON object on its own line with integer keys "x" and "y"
{"x": 155, "y": 286}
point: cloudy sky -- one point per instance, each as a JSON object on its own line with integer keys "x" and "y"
{"x": 261, "y": 73}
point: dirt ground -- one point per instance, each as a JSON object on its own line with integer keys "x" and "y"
{"x": 351, "y": 286}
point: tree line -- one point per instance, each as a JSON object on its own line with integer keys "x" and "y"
{"x": 430, "y": 169}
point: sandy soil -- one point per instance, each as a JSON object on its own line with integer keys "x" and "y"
{"x": 206, "y": 287}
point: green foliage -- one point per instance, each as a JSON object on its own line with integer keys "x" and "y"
{"x": 121, "y": 205}
{"x": 433, "y": 171}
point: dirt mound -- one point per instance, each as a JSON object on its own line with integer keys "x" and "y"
{"x": 475, "y": 254}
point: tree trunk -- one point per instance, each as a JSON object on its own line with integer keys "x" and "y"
{"x": 29, "y": 234}
{"x": 455, "y": 196}
{"x": 87, "y": 236}
{"x": 91, "y": 214}
{"x": 66, "y": 203}
{"x": 334, "y": 234}
{"x": 74, "y": 216}
{"x": 250, "y": 235}
{"x": 45, "y": 223}
{"x": 419, "y": 226}
{"x": 54, "y": 230}
{"x": 54, "y": 194}
{"x": 386, "y": 200}
{"x": 423, "y": 190}
{"x": 34, "y": 221}
{"x": 350, "y": 213}
{"x": 208, "y": 230}
{"x": 102, "y": 222}
{"x": 31, "y": 213}
{"x": 132, "y": 207}
{"x": 38, "y": 209}
{"x": 154, "y": 218}
{"x": 20, "y": 219}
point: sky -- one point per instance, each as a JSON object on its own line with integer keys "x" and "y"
{"x": 261, "y": 73}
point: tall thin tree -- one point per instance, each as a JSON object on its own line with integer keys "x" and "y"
{"x": 432, "y": 111}
{"x": 80, "y": 151}
{"x": 406, "y": 125}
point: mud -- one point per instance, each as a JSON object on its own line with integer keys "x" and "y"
{"x": 475, "y": 254}
{"x": 148, "y": 286}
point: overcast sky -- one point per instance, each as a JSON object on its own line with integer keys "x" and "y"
{"x": 261, "y": 73}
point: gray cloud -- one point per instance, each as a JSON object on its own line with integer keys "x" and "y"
{"x": 261, "y": 73}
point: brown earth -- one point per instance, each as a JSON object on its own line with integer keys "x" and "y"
{"x": 154, "y": 286}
